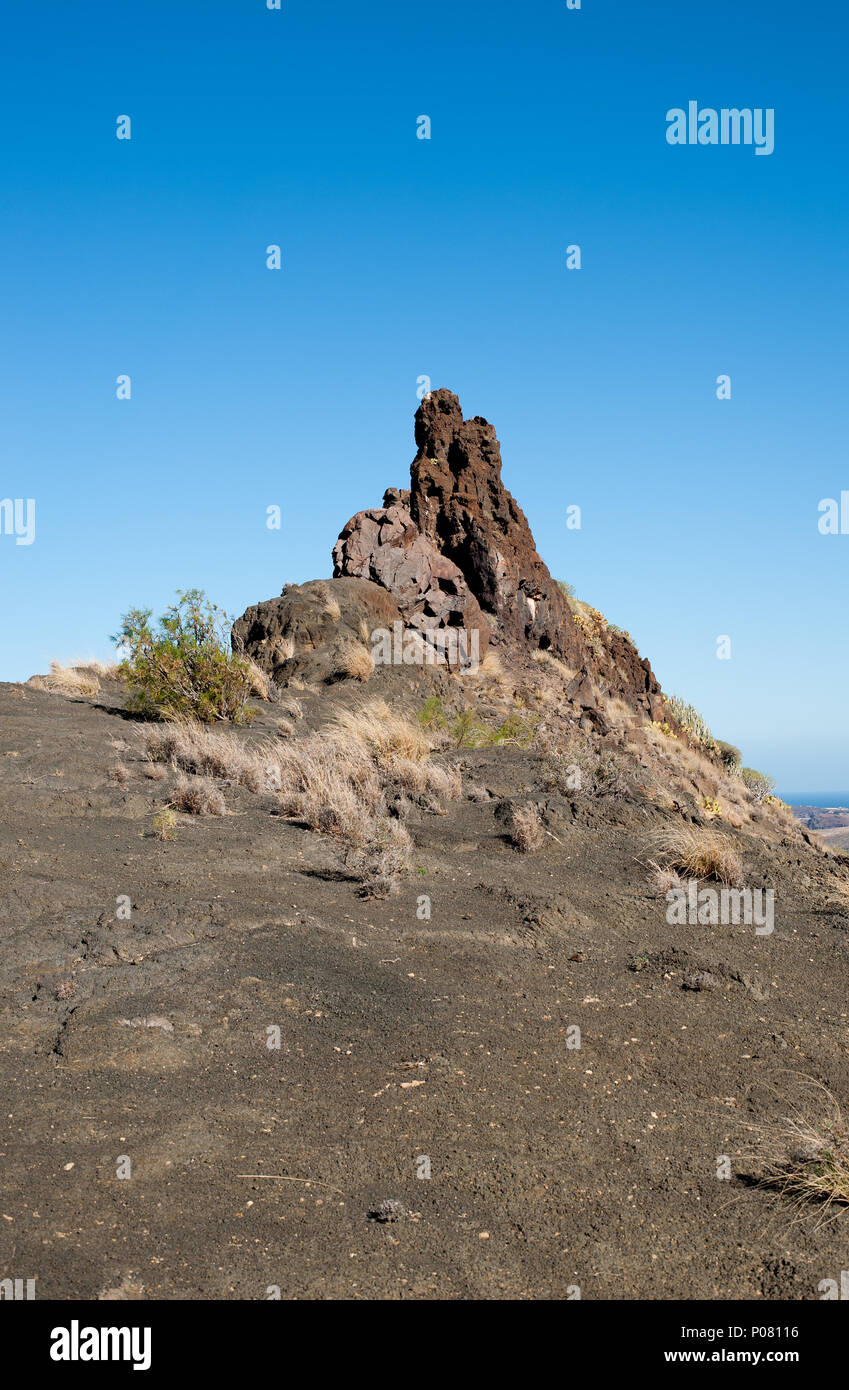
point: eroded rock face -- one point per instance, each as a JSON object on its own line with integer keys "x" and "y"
{"x": 385, "y": 546}
{"x": 458, "y": 501}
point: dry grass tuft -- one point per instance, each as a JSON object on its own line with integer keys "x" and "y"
{"x": 331, "y": 605}
{"x": 120, "y": 774}
{"x": 492, "y": 666}
{"x": 260, "y": 684}
{"x": 194, "y": 747}
{"x": 664, "y": 880}
{"x": 386, "y": 733}
{"x": 380, "y": 864}
{"x": 355, "y": 661}
{"x": 807, "y": 1159}
{"x": 526, "y": 829}
{"x": 702, "y": 853}
{"x": 67, "y": 680}
{"x": 198, "y": 797}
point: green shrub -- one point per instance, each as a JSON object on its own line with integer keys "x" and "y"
{"x": 185, "y": 666}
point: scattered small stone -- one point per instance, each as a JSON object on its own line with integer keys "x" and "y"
{"x": 155, "y": 1021}
{"x": 699, "y": 980}
{"x": 387, "y": 1210}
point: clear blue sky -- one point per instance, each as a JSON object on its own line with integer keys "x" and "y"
{"x": 404, "y": 257}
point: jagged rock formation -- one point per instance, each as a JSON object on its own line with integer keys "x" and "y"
{"x": 458, "y": 501}
{"x": 457, "y": 550}
{"x": 453, "y": 554}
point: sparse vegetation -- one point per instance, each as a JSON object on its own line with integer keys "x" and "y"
{"x": 580, "y": 769}
{"x": 184, "y": 667}
{"x": 338, "y": 781}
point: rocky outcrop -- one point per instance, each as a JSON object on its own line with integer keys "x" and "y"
{"x": 385, "y": 546}
{"x": 451, "y": 555}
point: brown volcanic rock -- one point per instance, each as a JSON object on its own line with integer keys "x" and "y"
{"x": 385, "y": 546}
{"x": 457, "y": 500}
{"x": 454, "y": 552}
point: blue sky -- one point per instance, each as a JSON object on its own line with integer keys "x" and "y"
{"x": 404, "y": 257}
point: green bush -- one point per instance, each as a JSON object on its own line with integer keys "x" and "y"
{"x": 758, "y": 783}
{"x": 185, "y": 666}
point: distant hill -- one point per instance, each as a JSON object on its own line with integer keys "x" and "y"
{"x": 822, "y": 817}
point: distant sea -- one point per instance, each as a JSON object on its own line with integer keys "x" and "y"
{"x": 815, "y": 798}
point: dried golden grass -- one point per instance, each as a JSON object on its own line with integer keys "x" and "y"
{"x": 701, "y": 853}
{"x": 211, "y": 752}
{"x": 806, "y": 1156}
{"x": 67, "y": 680}
{"x": 386, "y": 733}
{"x": 260, "y": 683}
{"x": 355, "y": 661}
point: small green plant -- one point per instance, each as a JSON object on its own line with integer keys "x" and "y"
{"x": 165, "y": 825}
{"x": 184, "y": 667}
{"x": 432, "y": 714}
{"x": 468, "y": 730}
{"x": 712, "y": 806}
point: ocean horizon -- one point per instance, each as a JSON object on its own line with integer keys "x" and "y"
{"x": 816, "y": 798}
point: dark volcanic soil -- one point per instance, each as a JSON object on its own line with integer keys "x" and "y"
{"x": 551, "y": 1167}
